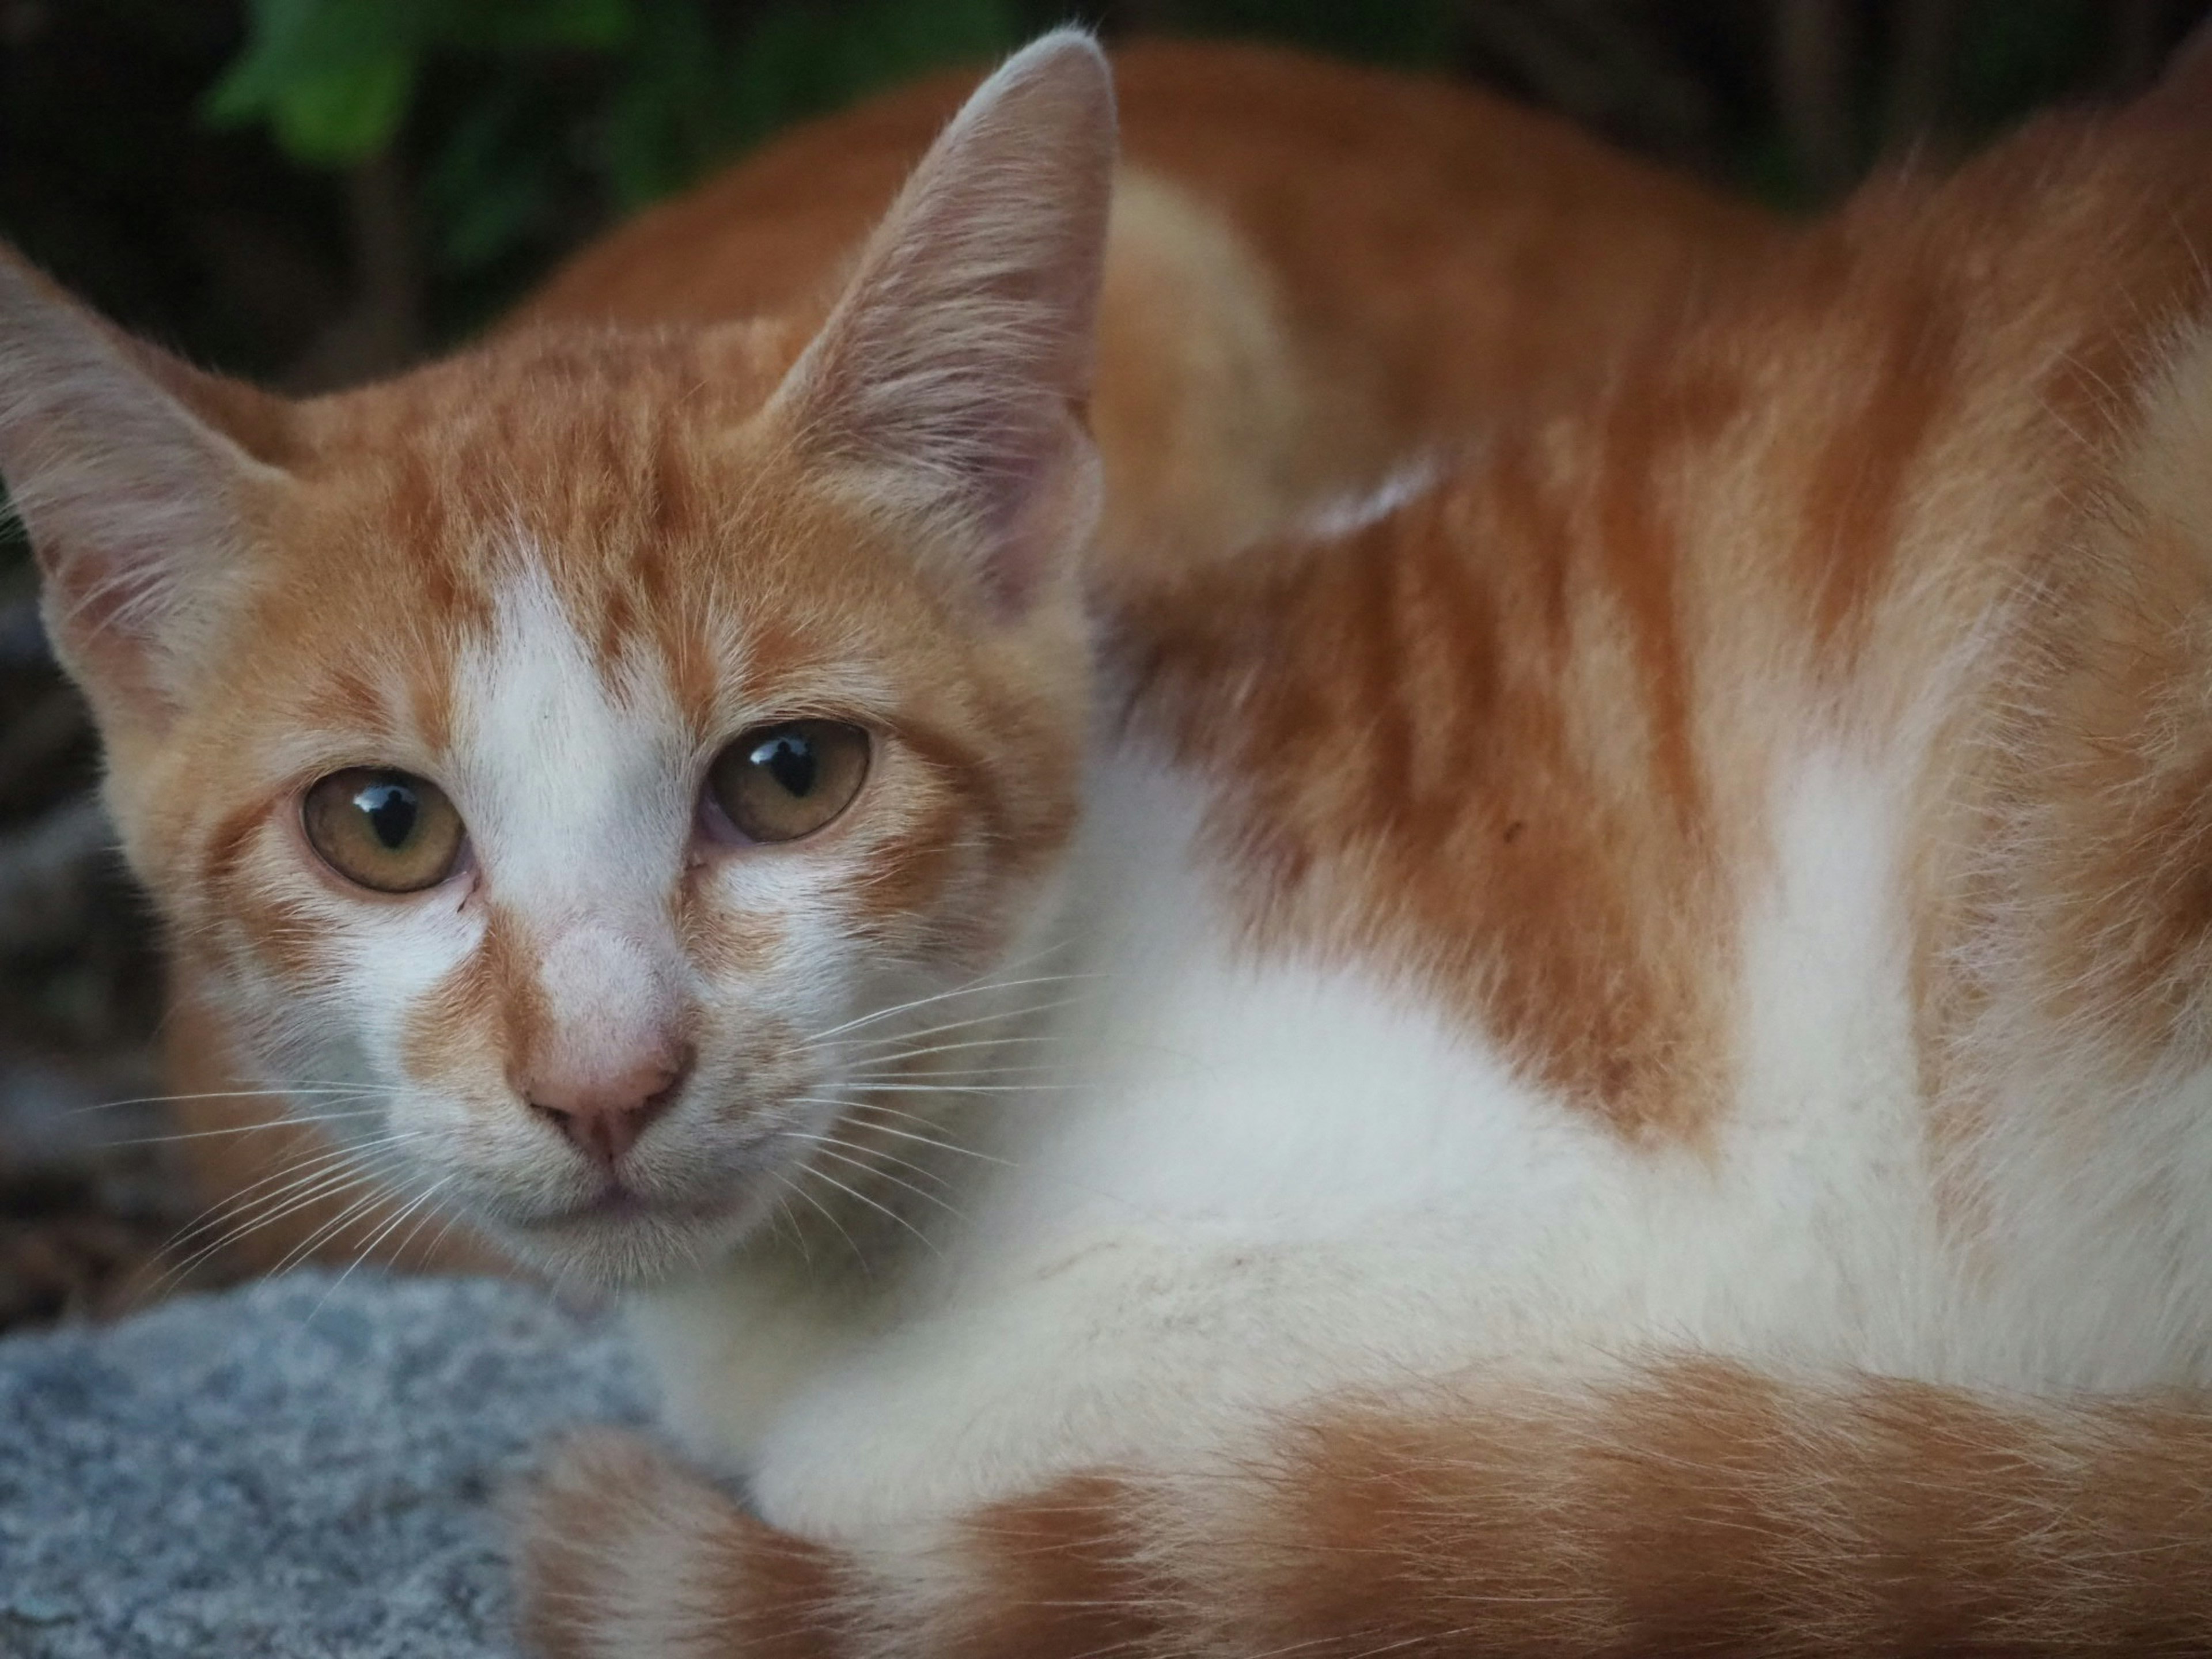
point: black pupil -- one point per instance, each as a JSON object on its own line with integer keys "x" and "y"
{"x": 392, "y": 810}
{"x": 789, "y": 759}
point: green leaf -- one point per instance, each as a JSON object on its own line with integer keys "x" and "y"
{"x": 495, "y": 182}
{"x": 660, "y": 127}
{"x": 524, "y": 25}
{"x": 347, "y": 115}
{"x": 332, "y": 77}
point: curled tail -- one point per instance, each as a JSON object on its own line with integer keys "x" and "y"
{"x": 1690, "y": 1506}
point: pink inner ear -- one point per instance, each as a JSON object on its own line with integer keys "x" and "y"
{"x": 123, "y": 465}
{"x": 1053, "y": 508}
{"x": 957, "y": 363}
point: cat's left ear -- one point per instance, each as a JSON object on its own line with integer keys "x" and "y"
{"x": 950, "y": 380}
{"x": 130, "y": 470}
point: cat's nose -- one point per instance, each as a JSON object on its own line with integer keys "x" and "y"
{"x": 603, "y": 1113}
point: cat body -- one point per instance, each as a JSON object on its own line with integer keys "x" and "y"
{"x": 1241, "y": 1178}
{"x": 1576, "y": 982}
{"x": 1314, "y": 272}
{"x": 1598, "y": 1048}
{"x": 1546, "y": 924}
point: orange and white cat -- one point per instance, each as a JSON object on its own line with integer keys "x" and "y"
{"x": 1606, "y": 1051}
{"x": 1314, "y": 274}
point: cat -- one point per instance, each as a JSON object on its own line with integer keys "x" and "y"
{"x": 1602, "y": 1051}
{"x": 1315, "y": 272}
{"x": 1634, "y": 1072}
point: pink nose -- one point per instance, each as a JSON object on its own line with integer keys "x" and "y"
{"x": 604, "y": 1114}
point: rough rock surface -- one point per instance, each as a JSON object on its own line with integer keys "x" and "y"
{"x": 299, "y": 1469}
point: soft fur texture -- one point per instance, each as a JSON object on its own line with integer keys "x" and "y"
{"x": 1601, "y": 1048}
{"x": 1313, "y": 272}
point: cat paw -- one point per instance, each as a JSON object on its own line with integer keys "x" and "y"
{"x": 623, "y": 1551}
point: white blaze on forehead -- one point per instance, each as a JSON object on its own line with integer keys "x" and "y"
{"x": 576, "y": 790}
{"x": 574, "y": 777}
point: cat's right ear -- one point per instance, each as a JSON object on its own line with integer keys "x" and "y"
{"x": 131, "y": 472}
{"x": 950, "y": 382}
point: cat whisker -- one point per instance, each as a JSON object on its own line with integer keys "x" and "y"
{"x": 783, "y": 1223}
{"x": 453, "y": 1219}
{"x": 982, "y": 989}
{"x": 378, "y": 1193}
{"x": 861, "y": 1082}
{"x": 334, "y": 1177}
{"x": 289, "y": 1120}
{"x": 291, "y": 1175}
{"x": 302, "y": 1183}
{"x": 852, "y": 1153}
{"x": 875, "y": 1168}
{"x": 905, "y": 1056}
{"x": 812, "y": 1168}
{"x": 218, "y": 1234}
{"x": 359, "y": 1090}
{"x": 966, "y": 1022}
{"x": 931, "y": 1142}
{"x": 967, "y": 1088}
{"x": 446, "y": 1217}
{"x": 381, "y": 1234}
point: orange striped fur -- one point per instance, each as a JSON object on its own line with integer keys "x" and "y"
{"x": 1953, "y": 468}
{"x": 1317, "y": 271}
{"x": 1600, "y": 1046}
{"x": 1689, "y": 1508}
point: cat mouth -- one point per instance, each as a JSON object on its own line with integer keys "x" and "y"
{"x": 614, "y": 1202}
{"x": 618, "y": 1202}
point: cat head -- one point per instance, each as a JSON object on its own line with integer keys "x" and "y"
{"x": 557, "y": 746}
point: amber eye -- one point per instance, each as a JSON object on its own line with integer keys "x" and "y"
{"x": 780, "y": 782}
{"x": 384, "y": 829}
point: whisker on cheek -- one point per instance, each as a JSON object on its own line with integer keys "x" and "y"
{"x": 317, "y": 1179}
{"x": 258, "y": 1127}
{"x": 884, "y": 1210}
{"x": 292, "y": 1175}
{"x": 984, "y": 988}
{"x": 381, "y": 1234}
{"x": 1003, "y": 1016}
{"x": 901, "y": 1056}
{"x": 926, "y": 1141}
{"x": 377, "y": 1194}
{"x": 848, "y": 1151}
{"x": 357, "y": 1089}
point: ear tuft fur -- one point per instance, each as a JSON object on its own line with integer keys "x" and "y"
{"x": 125, "y": 465}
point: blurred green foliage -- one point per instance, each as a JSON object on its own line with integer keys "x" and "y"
{"x": 512, "y": 97}
{"x": 333, "y": 78}
{"x": 506, "y": 103}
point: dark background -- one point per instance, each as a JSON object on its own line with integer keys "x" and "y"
{"x": 314, "y": 192}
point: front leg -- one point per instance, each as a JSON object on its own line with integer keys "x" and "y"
{"x": 624, "y": 1554}
{"x": 1685, "y": 1505}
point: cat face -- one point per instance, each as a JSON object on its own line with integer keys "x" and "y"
{"x": 560, "y": 747}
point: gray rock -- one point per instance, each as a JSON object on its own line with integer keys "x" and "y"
{"x": 299, "y": 1469}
